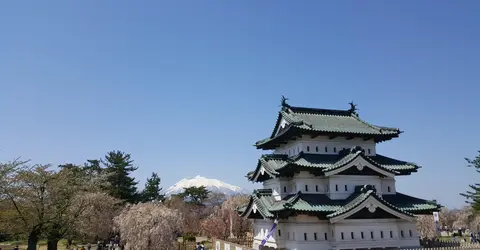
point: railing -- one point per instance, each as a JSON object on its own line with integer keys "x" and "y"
{"x": 465, "y": 246}
{"x": 243, "y": 241}
{"x": 227, "y": 245}
{"x": 435, "y": 243}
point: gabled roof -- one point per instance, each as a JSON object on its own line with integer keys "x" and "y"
{"x": 301, "y": 120}
{"x": 275, "y": 165}
{"x": 320, "y": 204}
{"x": 260, "y": 201}
{"x": 366, "y": 197}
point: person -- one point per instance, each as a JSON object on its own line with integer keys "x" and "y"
{"x": 89, "y": 246}
{"x": 16, "y": 248}
{"x": 198, "y": 246}
{"x": 83, "y": 248}
{"x": 203, "y": 247}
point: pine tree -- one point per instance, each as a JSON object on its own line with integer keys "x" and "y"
{"x": 195, "y": 195}
{"x": 473, "y": 197}
{"x": 118, "y": 167}
{"x": 152, "y": 189}
{"x": 92, "y": 167}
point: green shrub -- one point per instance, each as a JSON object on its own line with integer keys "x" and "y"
{"x": 188, "y": 238}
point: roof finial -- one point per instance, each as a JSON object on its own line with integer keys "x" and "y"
{"x": 353, "y": 107}
{"x": 284, "y": 101}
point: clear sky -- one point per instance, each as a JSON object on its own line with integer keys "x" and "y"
{"x": 187, "y": 87}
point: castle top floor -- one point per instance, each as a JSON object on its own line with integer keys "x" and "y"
{"x": 323, "y": 145}
{"x": 300, "y": 122}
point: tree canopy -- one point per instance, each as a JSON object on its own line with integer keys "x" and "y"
{"x": 149, "y": 226}
{"x": 118, "y": 167}
{"x": 152, "y": 190}
{"x": 195, "y": 195}
{"x": 473, "y": 196}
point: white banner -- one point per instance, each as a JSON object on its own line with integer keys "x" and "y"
{"x": 435, "y": 217}
{"x": 217, "y": 245}
{"x": 226, "y": 246}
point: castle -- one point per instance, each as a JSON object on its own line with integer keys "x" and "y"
{"x": 326, "y": 187}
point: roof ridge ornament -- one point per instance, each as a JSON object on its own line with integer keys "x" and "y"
{"x": 284, "y": 103}
{"x": 353, "y": 108}
{"x": 367, "y": 188}
{"x": 356, "y": 149}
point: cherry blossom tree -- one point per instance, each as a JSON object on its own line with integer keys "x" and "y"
{"x": 192, "y": 214}
{"x": 148, "y": 226}
{"x": 426, "y": 226}
{"x": 96, "y": 221}
{"x": 447, "y": 217}
{"x": 466, "y": 218}
{"x": 225, "y": 222}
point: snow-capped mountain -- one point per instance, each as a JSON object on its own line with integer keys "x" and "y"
{"x": 213, "y": 185}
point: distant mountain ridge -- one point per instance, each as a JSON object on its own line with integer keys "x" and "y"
{"x": 213, "y": 185}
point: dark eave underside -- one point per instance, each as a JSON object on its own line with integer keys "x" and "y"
{"x": 322, "y": 206}
{"x": 283, "y": 166}
{"x": 292, "y": 133}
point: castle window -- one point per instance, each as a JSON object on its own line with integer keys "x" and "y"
{"x": 410, "y": 233}
{"x": 279, "y": 233}
{"x": 316, "y": 149}
{"x": 316, "y": 188}
{"x": 371, "y": 234}
{"x": 401, "y": 234}
{"x": 315, "y": 236}
{"x": 381, "y": 234}
{"x": 341, "y": 235}
{"x": 326, "y": 236}
{"x": 306, "y": 188}
{"x": 346, "y": 188}
{"x": 391, "y": 234}
{"x": 352, "y": 236}
{"x": 369, "y": 151}
{"x": 326, "y": 149}
{"x": 334, "y": 149}
{"x": 388, "y": 188}
{"x": 308, "y": 148}
{"x": 361, "y": 235}
{"x": 285, "y": 189}
{"x": 305, "y": 236}
{"x": 336, "y": 187}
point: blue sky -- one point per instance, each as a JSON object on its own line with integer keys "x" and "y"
{"x": 187, "y": 87}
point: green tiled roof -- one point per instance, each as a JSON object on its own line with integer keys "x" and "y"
{"x": 410, "y": 203}
{"x": 268, "y": 207}
{"x": 323, "y": 121}
{"x": 274, "y": 164}
{"x": 263, "y": 199}
{"x": 359, "y": 197}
